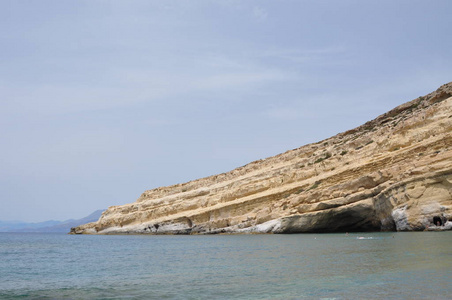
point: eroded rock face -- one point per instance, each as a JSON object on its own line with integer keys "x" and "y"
{"x": 392, "y": 173}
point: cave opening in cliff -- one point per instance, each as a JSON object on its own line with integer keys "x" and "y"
{"x": 437, "y": 221}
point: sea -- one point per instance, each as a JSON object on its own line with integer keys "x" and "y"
{"x": 380, "y": 265}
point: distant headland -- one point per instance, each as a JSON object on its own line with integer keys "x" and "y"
{"x": 48, "y": 226}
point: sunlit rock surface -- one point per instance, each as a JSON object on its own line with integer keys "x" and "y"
{"x": 392, "y": 173}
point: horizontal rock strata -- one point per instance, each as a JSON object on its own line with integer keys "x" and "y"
{"x": 392, "y": 173}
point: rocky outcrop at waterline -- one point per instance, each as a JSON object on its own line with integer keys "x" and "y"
{"x": 392, "y": 173}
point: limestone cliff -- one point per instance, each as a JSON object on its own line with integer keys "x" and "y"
{"x": 392, "y": 173}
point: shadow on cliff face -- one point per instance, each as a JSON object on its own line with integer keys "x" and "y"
{"x": 358, "y": 218}
{"x": 437, "y": 221}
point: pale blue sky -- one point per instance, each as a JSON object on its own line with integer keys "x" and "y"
{"x": 101, "y": 100}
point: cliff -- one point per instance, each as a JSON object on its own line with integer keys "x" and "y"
{"x": 392, "y": 173}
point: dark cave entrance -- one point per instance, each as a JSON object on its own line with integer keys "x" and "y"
{"x": 437, "y": 221}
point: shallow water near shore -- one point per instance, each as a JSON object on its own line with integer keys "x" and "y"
{"x": 411, "y": 265}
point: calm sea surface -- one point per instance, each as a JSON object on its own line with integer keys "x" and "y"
{"x": 415, "y": 265}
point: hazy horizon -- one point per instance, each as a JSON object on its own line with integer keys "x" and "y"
{"x": 103, "y": 100}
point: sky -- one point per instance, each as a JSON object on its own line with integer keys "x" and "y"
{"x": 102, "y": 100}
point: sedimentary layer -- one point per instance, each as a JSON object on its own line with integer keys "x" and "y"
{"x": 392, "y": 173}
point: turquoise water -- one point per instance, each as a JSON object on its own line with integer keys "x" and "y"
{"x": 415, "y": 265}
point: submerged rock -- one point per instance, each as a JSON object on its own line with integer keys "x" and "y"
{"x": 392, "y": 173}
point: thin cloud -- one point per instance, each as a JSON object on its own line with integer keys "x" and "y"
{"x": 259, "y": 13}
{"x": 331, "y": 55}
{"x": 282, "y": 113}
{"x": 239, "y": 79}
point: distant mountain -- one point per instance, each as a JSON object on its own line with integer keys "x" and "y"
{"x": 9, "y": 226}
{"x": 48, "y": 226}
